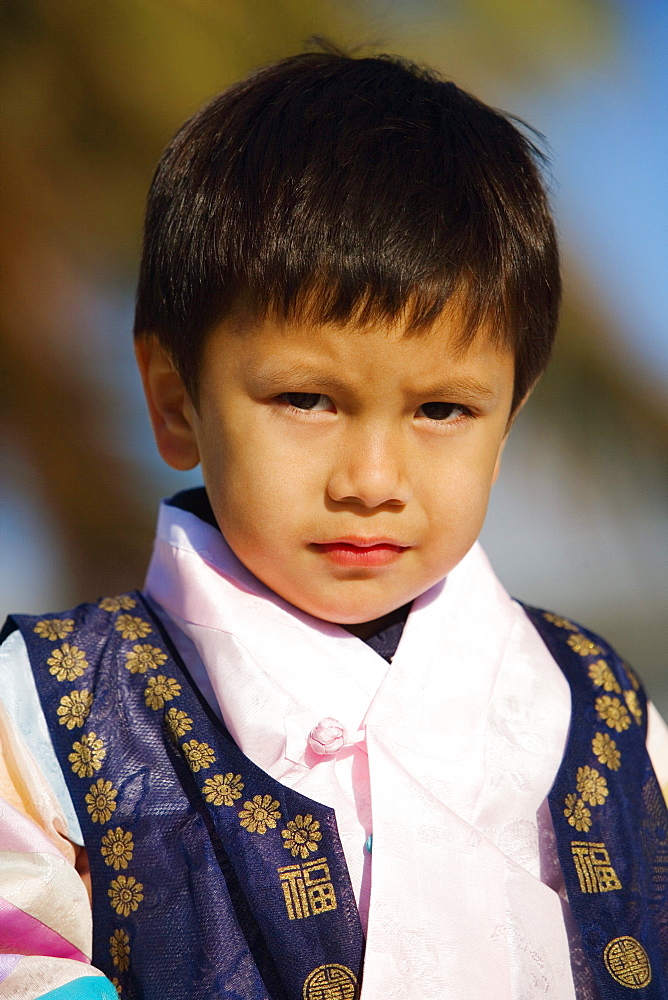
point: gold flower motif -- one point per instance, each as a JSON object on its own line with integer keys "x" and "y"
{"x": 117, "y": 985}
{"x": 633, "y": 680}
{"x": 602, "y": 676}
{"x": 559, "y": 622}
{"x": 260, "y": 814}
{"x": 631, "y": 699}
{"x": 302, "y": 836}
{"x": 123, "y": 601}
{"x": 179, "y": 723}
{"x": 67, "y": 663}
{"x": 74, "y": 708}
{"x": 591, "y": 785}
{"x": 117, "y": 848}
{"x": 87, "y": 755}
{"x": 223, "y": 789}
{"x": 119, "y": 949}
{"x": 132, "y": 627}
{"x": 143, "y": 658}
{"x": 54, "y": 628}
{"x": 161, "y": 689}
{"x": 199, "y": 755}
{"x": 125, "y": 894}
{"x": 613, "y": 713}
{"x": 582, "y": 645}
{"x": 606, "y": 751}
{"x": 100, "y": 801}
{"x": 577, "y": 813}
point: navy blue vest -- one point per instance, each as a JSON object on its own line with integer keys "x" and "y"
{"x": 211, "y": 879}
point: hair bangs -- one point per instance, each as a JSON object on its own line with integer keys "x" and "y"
{"x": 349, "y": 191}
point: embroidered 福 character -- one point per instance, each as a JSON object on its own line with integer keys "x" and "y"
{"x": 307, "y": 889}
{"x": 594, "y": 870}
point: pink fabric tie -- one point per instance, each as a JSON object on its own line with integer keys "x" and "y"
{"x": 328, "y": 737}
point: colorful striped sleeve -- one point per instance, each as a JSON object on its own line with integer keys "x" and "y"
{"x": 45, "y": 916}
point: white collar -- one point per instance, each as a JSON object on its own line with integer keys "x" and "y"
{"x": 464, "y": 734}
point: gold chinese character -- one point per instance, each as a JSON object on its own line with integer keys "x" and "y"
{"x": 592, "y": 864}
{"x": 307, "y": 889}
{"x": 331, "y": 982}
{"x": 294, "y": 893}
{"x": 627, "y": 962}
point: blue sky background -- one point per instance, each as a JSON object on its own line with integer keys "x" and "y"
{"x": 609, "y": 132}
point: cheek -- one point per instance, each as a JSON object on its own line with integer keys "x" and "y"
{"x": 457, "y": 495}
{"x": 256, "y": 491}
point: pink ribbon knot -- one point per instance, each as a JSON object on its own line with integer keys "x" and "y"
{"x": 327, "y": 736}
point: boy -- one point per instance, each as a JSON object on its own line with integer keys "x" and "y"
{"x": 324, "y": 745}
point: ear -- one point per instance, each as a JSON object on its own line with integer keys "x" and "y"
{"x": 497, "y": 464}
{"x": 511, "y": 420}
{"x": 170, "y": 408}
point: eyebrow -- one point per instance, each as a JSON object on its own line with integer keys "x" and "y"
{"x": 458, "y": 385}
{"x": 461, "y": 385}
{"x": 278, "y": 378}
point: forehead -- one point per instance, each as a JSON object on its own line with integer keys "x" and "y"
{"x": 271, "y": 343}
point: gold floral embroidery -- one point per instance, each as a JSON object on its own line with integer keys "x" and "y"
{"x": 54, "y": 628}
{"x": 74, "y": 708}
{"x": 199, "y": 755}
{"x": 602, "y": 676}
{"x": 161, "y": 689}
{"x": 144, "y": 657}
{"x": 582, "y": 645}
{"x": 87, "y": 755}
{"x": 559, "y": 622}
{"x": 123, "y": 601}
{"x": 631, "y": 699}
{"x": 260, "y": 814}
{"x": 302, "y": 836}
{"x": 117, "y": 985}
{"x": 591, "y": 785}
{"x": 100, "y": 801}
{"x": 125, "y": 894}
{"x": 117, "y": 848}
{"x": 178, "y": 722}
{"x": 223, "y": 789}
{"x": 119, "y": 949}
{"x": 132, "y": 627}
{"x": 577, "y": 813}
{"x": 633, "y": 680}
{"x": 67, "y": 663}
{"x": 606, "y": 751}
{"x": 613, "y": 713}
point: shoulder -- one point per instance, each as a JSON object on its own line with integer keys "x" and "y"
{"x": 38, "y": 650}
{"x": 579, "y": 646}
{"x": 62, "y": 641}
{"x": 597, "y": 674}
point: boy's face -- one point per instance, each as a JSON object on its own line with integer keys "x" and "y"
{"x": 348, "y": 469}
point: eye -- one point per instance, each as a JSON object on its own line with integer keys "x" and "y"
{"x": 441, "y": 411}
{"x": 306, "y": 400}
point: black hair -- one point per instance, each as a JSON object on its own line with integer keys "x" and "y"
{"x": 344, "y": 189}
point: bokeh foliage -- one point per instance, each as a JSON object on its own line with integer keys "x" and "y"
{"x": 89, "y": 94}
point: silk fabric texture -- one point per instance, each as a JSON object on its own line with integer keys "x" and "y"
{"x": 457, "y": 745}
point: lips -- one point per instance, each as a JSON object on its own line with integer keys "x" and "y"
{"x": 361, "y": 551}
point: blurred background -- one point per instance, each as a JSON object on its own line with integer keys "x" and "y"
{"x": 89, "y": 95}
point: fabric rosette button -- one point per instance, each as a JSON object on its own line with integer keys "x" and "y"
{"x": 327, "y": 736}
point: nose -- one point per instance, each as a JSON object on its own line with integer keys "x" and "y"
{"x": 370, "y": 471}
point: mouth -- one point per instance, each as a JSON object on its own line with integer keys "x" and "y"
{"x": 361, "y": 551}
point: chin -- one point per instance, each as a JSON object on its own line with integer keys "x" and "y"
{"x": 344, "y": 614}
